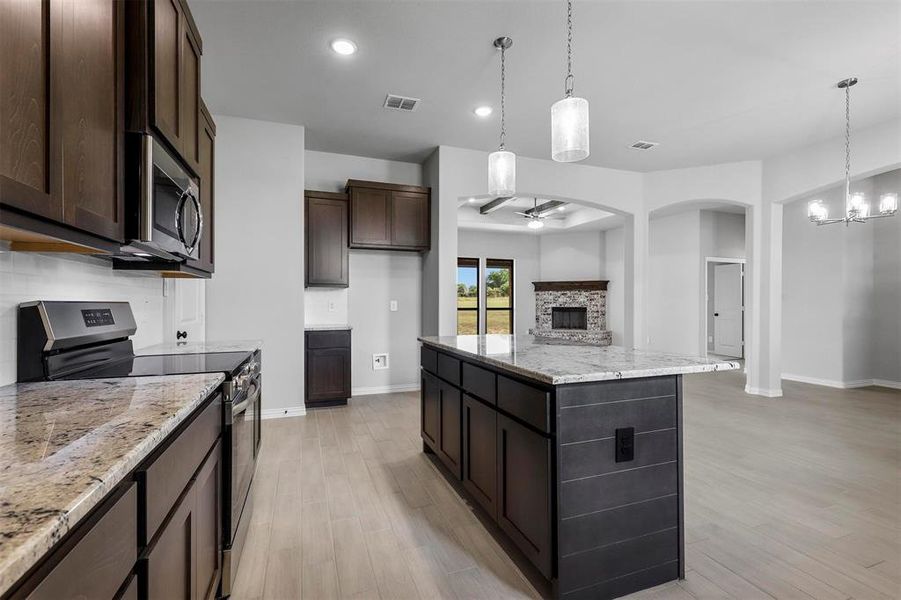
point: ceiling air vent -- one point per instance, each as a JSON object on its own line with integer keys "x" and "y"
{"x": 643, "y": 145}
{"x": 395, "y": 102}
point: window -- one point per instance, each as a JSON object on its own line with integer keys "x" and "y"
{"x": 467, "y": 296}
{"x": 499, "y": 296}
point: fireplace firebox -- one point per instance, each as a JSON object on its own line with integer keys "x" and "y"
{"x": 569, "y": 317}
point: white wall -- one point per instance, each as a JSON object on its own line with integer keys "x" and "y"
{"x": 577, "y": 255}
{"x": 674, "y": 251}
{"x": 523, "y": 248}
{"x": 257, "y": 290}
{"x": 842, "y": 293}
{"x": 614, "y": 272}
{"x": 376, "y": 278}
{"x": 27, "y": 276}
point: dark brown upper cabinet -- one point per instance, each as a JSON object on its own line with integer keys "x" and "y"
{"x": 206, "y": 172}
{"x": 388, "y": 216}
{"x": 62, "y": 70}
{"x": 325, "y": 250}
{"x": 164, "y": 50}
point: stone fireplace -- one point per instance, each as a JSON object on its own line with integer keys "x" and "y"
{"x": 572, "y": 310}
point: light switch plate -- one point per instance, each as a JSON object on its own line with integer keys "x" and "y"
{"x": 392, "y": 306}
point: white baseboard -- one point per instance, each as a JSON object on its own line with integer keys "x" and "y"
{"x": 385, "y": 389}
{"x": 842, "y": 385}
{"x": 768, "y": 393}
{"x": 895, "y": 385}
{"x": 281, "y": 413}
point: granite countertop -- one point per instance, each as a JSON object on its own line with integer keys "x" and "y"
{"x": 201, "y": 347}
{"x": 557, "y": 361}
{"x": 65, "y": 444}
{"x": 327, "y": 327}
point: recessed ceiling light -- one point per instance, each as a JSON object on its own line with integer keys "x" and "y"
{"x": 483, "y": 111}
{"x": 472, "y": 200}
{"x": 561, "y": 208}
{"x": 343, "y": 46}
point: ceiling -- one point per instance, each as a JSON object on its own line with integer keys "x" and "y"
{"x": 572, "y": 217}
{"x": 711, "y": 81}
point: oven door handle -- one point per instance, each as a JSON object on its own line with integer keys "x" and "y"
{"x": 240, "y": 407}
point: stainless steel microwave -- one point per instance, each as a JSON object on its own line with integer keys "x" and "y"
{"x": 169, "y": 219}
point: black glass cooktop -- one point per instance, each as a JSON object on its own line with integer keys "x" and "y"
{"x": 167, "y": 364}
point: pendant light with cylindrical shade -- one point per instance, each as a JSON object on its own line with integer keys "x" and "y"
{"x": 569, "y": 116}
{"x": 502, "y": 163}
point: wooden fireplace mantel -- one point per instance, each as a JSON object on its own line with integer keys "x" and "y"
{"x": 569, "y": 286}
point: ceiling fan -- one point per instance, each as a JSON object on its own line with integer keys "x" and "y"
{"x": 538, "y": 213}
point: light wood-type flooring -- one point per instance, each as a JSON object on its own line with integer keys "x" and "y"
{"x": 792, "y": 497}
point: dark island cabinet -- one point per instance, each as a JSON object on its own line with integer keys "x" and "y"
{"x": 450, "y": 442}
{"x": 480, "y": 453}
{"x": 328, "y": 367}
{"x": 524, "y": 490}
{"x": 430, "y": 410}
{"x": 62, "y": 108}
{"x": 583, "y": 480}
{"x": 325, "y": 240}
{"x": 387, "y": 216}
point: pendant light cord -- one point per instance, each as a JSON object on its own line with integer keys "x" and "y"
{"x": 503, "y": 97}
{"x": 848, "y": 147}
{"x": 568, "y": 82}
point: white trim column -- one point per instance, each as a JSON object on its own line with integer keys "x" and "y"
{"x": 635, "y": 259}
{"x": 764, "y": 338}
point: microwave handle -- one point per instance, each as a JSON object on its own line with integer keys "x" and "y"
{"x": 198, "y": 228}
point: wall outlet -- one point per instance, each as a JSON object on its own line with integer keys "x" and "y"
{"x": 379, "y": 361}
{"x": 331, "y": 306}
{"x": 710, "y": 339}
{"x": 392, "y": 306}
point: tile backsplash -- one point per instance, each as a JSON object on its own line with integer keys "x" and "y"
{"x": 27, "y": 276}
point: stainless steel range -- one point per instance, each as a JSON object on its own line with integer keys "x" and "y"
{"x": 92, "y": 340}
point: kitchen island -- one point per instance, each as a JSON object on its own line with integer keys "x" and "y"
{"x": 573, "y": 451}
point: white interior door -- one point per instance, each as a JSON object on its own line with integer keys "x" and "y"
{"x": 727, "y": 309}
{"x": 185, "y": 311}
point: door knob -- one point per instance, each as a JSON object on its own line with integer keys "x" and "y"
{"x": 716, "y": 314}
{"x": 181, "y": 335}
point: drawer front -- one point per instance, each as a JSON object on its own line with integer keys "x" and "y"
{"x": 166, "y": 477}
{"x": 480, "y": 382}
{"x": 328, "y": 339}
{"x": 525, "y": 402}
{"x": 449, "y": 368}
{"x": 428, "y": 359}
{"x": 99, "y": 562}
{"x": 582, "y": 496}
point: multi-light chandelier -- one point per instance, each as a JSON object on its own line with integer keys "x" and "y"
{"x": 857, "y": 209}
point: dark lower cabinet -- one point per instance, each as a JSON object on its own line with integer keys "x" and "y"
{"x": 480, "y": 453}
{"x": 450, "y": 442}
{"x": 524, "y": 490}
{"x": 430, "y": 410}
{"x": 184, "y": 560}
{"x": 328, "y": 368}
{"x": 101, "y": 560}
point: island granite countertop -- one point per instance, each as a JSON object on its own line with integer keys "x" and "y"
{"x": 64, "y": 445}
{"x": 201, "y": 347}
{"x": 558, "y": 362}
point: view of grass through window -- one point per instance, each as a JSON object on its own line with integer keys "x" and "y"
{"x": 467, "y": 296}
{"x": 499, "y": 296}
